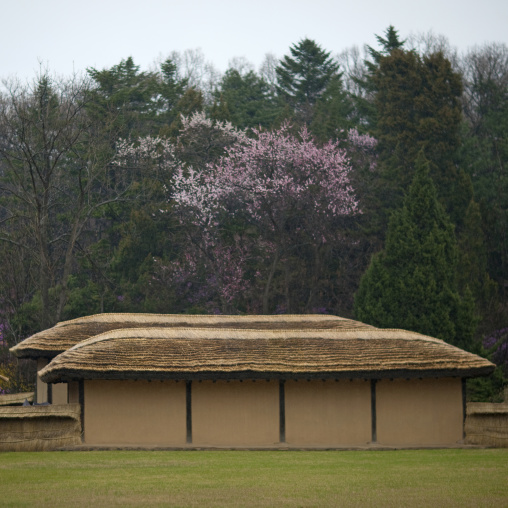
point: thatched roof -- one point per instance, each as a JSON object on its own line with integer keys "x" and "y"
{"x": 204, "y": 353}
{"x": 487, "y": 408}
{"x": 72, "y": 411}
{"x": 16, "y": 399}
{"x": 66, "y": 334}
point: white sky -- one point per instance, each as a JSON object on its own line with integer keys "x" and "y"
{"x": 66, "y": 35}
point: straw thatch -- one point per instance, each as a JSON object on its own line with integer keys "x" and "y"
{"x": 66, "y": 334}
{"x": 204, "y": 353}
{"x": 35, "y": 428}
{"x": 16, "y": 399}
{"x": 487, "y": 424}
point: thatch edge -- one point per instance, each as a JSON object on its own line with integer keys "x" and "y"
{"x": 22, "y": 412}
{"x": 114, "y": 317}
{"x": 68, "y": 375}
{"x": 487, "y": 408}
{"x": 16, "y": 399}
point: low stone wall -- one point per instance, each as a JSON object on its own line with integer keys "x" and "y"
{"x": 487, "y": 424}
{"x": 36, "y": 428}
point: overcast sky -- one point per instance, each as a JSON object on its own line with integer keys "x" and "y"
{"x": 66, "y": 35}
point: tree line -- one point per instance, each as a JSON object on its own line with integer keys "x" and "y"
{"x": 370, "y": 186}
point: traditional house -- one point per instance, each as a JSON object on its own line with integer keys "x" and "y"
{"x": 255, "y": 381}
{"x": 45, "y": 345}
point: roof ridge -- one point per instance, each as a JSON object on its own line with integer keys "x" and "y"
{"x": 106, "y": 317}
{"x": 253, "y": 334}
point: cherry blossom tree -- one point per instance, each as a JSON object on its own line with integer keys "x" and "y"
{"x": 260, "y": 216}
{"x": 201, "y": 274}
{"x": 293, "y": 194}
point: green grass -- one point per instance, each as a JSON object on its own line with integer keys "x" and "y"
{"x": 412, "y": 478}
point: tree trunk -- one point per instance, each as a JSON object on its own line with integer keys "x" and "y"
{"x": 76, "y": 229}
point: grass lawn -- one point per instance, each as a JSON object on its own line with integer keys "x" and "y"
{"x": 405, "y": 478}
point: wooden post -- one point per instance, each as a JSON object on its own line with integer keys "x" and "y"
{"x": 464, "y": 407}
{"x": 81, "y": 398}
{"x": 373, "y": 409}
{"x": 188, "y": 408}
{"x": 282, "y": 412}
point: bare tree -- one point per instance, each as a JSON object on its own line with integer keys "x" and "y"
{"x": 427, "y": 43}
{"x": 199, "y": 73}
{"x": 352, "y": 64}
{"x": 55, "y": 173}
{"x": 485, "y": 72}
{"x": 240, "y": 64}
{"x": 268, "y": 73}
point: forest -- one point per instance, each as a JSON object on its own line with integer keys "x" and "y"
{"x": 368, "y": 184}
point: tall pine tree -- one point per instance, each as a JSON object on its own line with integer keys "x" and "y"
{"x": 304, "y": 76}
{"x": 418, "y": 108}
{"x": 412, "y": 283}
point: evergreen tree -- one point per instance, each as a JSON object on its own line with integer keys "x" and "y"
{"x": 333, "y": 112}
{"x": 171, "y": 89}
{"x": 192, "y": 101}
{"x": 247, "y": 99}
{"x": 123, "y": 98}
{"x": 303, "y": 77}
{"x": 417, "y": 109}
{"x": 412, "y": 283}
{"x": 364, "y": 100}
{"x": 390, "y": 42}
{"x": 473, "y": 266}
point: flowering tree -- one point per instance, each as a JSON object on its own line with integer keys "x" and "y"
{"x": 260, "y": 217}
{"x": 200, "y": 273}
{"x": 202, "y": 141}
{"x": 290, "y": 192}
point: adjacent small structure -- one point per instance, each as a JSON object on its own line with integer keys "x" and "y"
{"x": 38, "y": 428}
{"x": 255, "y": 381}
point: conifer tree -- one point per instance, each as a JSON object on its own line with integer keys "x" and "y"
{"x": 365, "y": 106}
{"x": 417, "y": 107}
{"x": 304, "y": 76}
{"x": 388, "y": 43}
{"x": 333, "y": 112}
{"x": 247, "y": 99}
{"x": 412, "y": 283}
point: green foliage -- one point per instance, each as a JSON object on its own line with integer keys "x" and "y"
{"x": 487, "y": 389}
{"x": 123, "y": 97}
{"x": 485, "y": 151}
{"x": 171, "y": 90}
{"x": 333, "y": 112}
{"x": 18, "y": 375}
{"x": 247, "y": 100}
{"x": 418, "y": 108}
{"x": 389, "y": 43}
{"x": 473, "y": 262}
{"x": 364, "y": 103}
{"x": 411, "y": 284}
{"x": 134, "y": 103}
{"x": 192, "y": 101}
{"x": 304, "y": 76}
